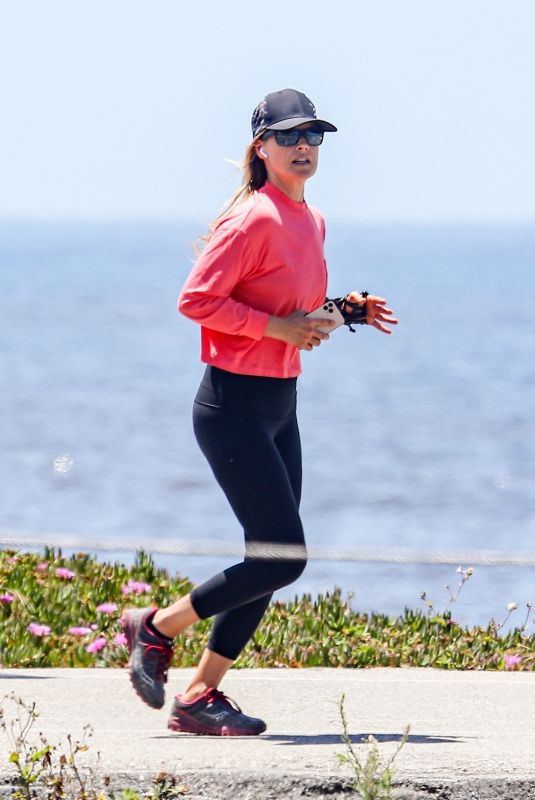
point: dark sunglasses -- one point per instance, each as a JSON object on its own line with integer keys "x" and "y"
{"x": 291, "y": 137}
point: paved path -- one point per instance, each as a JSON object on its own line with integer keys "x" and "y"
{"x": 463, "y": 724}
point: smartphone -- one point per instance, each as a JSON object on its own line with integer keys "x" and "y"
{"x": 328, "y": 310}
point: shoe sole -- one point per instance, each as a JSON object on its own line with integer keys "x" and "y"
{"x": 192, "y": 726}
{"x": 130, "y": 627}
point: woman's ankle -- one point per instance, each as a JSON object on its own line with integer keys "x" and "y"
{"x": 174, "y": 619}
{"x": 193, "y": 692}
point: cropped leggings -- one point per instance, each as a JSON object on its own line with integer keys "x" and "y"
{"x": 246, "y": 427}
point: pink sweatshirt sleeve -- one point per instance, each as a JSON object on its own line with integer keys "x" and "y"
{"x": 206, "y": 296}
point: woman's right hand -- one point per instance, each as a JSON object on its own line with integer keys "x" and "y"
{"x": 298, "y": 330}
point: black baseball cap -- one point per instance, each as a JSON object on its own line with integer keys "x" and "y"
{"x": 285, "y": 109}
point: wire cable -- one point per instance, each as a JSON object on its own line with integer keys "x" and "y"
{"x": 172, "y": 547}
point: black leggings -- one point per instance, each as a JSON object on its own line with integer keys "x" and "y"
{"x": 246, "y": 427}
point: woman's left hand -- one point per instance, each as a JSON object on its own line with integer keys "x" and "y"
{"x": 377, "y": 312}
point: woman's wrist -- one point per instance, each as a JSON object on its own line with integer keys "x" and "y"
{"x": 275, "y": 328}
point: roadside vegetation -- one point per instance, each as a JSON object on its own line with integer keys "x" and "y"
{"x": 42, "y": 770}
{"x": 64, "y": 612}
{"x": 38, "y": 769}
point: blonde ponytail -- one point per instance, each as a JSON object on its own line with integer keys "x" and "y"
{"x": 254, "y": 176}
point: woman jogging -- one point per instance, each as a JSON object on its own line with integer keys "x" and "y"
{"x": 261, "y": 271}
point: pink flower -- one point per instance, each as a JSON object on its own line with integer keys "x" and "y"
{"x": 63, "y": 572}
{"x": 6, "y": 598}
{"x": 107, "y": 608}
{"x": 96, "y": 645}
{"x": 136, "y": 587}
{"x": 80, "y": 631}
{"x": 38, "y": 630}
{"x": 42, "y": 566}
{"x": 119, "y": 639}
{"x": 511, "y": 661}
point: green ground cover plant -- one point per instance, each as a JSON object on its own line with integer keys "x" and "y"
{"x": 58, "y": 611}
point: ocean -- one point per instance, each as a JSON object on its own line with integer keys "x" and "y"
{"x": 424, "y": 439}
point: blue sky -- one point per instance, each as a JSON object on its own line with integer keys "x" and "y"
{"x": 124, "y": 109}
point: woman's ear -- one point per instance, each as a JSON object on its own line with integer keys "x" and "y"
{"x": 260, "y": 152}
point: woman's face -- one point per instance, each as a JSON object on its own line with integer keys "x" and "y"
{"x": 297, "y": 163}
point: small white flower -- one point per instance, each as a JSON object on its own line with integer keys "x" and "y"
{"x": 512, "y": 606}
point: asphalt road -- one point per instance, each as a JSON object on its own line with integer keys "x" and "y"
{"x": 466, "y": 728}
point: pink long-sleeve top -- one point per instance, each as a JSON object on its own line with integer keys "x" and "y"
{"x": 264, "y": 258}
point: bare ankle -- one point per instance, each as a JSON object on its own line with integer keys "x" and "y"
{"x": 193, "y": 692}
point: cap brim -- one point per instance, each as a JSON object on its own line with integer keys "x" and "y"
{"x": 286, "y": 124}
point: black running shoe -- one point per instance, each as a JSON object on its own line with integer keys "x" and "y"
{"x": 213, "y": 714}
{"x": 150, "y": 656}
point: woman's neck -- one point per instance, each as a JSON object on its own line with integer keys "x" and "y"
{"x": 294, "y": 190}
